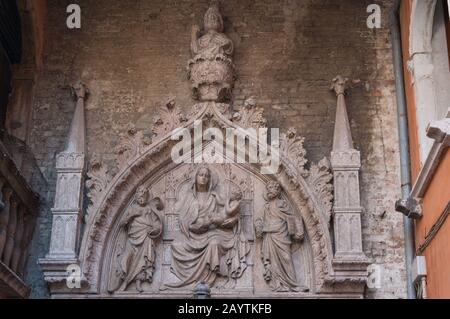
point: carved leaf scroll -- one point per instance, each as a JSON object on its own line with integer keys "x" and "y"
{"x": 291, "y": 146}
{"x": 319, "y": 179}
{"x": 250, "y": 116}
{"x": 97, "y": 182}
{"x": 170, "y": 118}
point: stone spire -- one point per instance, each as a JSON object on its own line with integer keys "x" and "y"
{"x": 345, "y": 163}
{"x": 76, "y": 140}
{"x": 68, "y": 205}
{"x": 342, "y": 134}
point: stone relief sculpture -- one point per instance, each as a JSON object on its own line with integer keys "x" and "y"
{"x": 278, "y": 228}
{"x": 211, "y": 243}
{"x": 142, "y": 226}
{"x": 211, "y": 69}
{"x": 206, "y": 229}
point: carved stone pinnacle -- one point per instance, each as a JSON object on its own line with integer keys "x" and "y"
{"x": 80, "y": 91}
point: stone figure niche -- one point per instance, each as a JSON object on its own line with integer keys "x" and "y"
{"x": 219, "y": 224}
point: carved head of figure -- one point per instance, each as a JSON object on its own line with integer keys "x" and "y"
{"x": 235, "y": 193}
{"x": 213, "y": 19}
{"x": 142, "y": 196}
{"x": 202, "y": 178}
{"x": 273, "y": 190}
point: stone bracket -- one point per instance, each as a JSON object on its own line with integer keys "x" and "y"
{"x": 409, "y": 207}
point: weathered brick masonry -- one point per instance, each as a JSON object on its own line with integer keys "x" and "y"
{"x": 133, "y": 54}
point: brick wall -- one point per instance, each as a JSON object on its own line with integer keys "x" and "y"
{"x": 133, "y": 54}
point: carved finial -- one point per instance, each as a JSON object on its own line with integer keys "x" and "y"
{"x": 342, "y": 133}
{"x": 213, "y": 19}
{"x": 340, "y": 84}
{"x": 291, "y": 133}
{"x": 76, "y": 140}
{"x": 170, "y": 102}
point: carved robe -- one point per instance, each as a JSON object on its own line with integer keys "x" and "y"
{"x": 279, "y": 226}
{"x": 213, "y": 43}
{"x": 204, "y": 256}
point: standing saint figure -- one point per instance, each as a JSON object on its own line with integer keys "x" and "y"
{"x": 277, "y": 229}
{"x": 210, "y": 243}
{"x": 142, "y": 225}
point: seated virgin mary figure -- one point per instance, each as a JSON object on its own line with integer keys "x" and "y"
{"x": 207, "y": 247}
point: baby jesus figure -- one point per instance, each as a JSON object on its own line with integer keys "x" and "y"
{"x": 230, "y": 214}
{"x": 225, "y": 218}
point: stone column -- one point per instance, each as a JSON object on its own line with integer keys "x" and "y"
{"x": 68, "y": 208}
{"x": 345, "y": 163}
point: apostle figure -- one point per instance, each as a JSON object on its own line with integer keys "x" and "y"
{"x": 142, "y": 225}
{"x": 278, "y": 228}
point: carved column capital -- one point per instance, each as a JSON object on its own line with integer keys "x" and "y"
{"x": 339, "y": 85}
{"x": 80, "y": 91}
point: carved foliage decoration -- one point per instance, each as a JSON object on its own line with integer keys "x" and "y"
{"x": 291, "y": 148}
{"x": 131, "y": 145}
{"x": 250, "y": 116}
{"x": 320, "y": 179}
{"x": 169, "y": 119}
{"x": 96, "y": 183}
